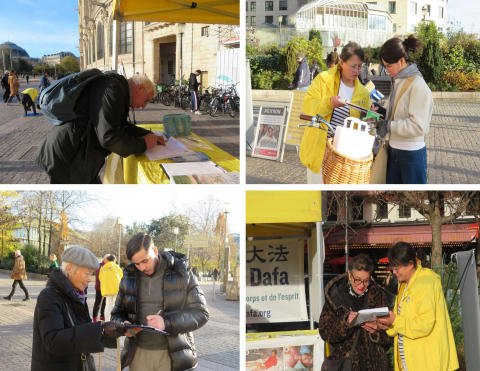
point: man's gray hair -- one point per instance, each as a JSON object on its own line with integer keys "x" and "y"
{"x": 72, "y": 271}
{"x": 18, "y": 252}
{"x": 106, "y": 256}
{"x": 142, "y": 80}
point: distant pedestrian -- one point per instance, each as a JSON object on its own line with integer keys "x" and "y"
{"x": 302, "y": 75}
{"x": 28, "y": 99}
{"x": 44, "y": 81}
{"x": 53, "y": 263}
{"x": 193, "y": 89}
{"x": 18, "y": 275}
{"x": 215, "y": 274}
{"x": 27, "y": 78}
{"x": 6, "y": 86}
{"x": 99, "y": 304}
{"x": 14, "y": 85}
{"x": 334, "y": 56}
{"x": 314, "y": 70}
{"x": 110, "y": 276}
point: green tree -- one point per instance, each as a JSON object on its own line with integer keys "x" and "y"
{"x": 288, "y": 61}
{"x": 431, "y": 61}
{"x": 8, "y": 223}
{"x": 314, "y": 34}
{"x": 70, "y": 64}
{"x": 161, "y": 231}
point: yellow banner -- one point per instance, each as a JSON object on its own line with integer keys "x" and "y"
{"x": 284, "y": 206}
{"x": 294, "y": 135}
{"x": 273, "y": 335}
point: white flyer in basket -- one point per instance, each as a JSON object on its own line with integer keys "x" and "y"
{"x": 173, "y": 149}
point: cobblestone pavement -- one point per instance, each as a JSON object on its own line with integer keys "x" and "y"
{"x": 20, "y": 137}
{"x": 217, "y": 342}
{"x": 452, "y": 148}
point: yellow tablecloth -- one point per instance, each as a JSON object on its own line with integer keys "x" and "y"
{"x": 138, "y": 169}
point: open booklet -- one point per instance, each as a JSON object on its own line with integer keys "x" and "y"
{"x": 173, "y": 148}
{"x": 145, "y": 328}
{"x": 368, "y": 315}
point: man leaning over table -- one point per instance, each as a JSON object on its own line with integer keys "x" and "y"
{"x": 74, "y": 152}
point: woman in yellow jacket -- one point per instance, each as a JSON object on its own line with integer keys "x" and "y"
{"x": 110, "y": 276}
{"x": 322, "y": 98}
{"x": 420, "y": 322}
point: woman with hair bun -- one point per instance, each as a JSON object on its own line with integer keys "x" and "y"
{"x": 419, "y": 323}
{"x": 408, "y": 115}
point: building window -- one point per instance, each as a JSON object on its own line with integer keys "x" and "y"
{"x": 246, "y": 21}
{"x": 440, "y": 12}
{"x": 440, "y": 29}
{"x": 428, "y": 10}
{"x": 170, "y": 67}
{"x": 246, "y": 3}
{"x": 100, "y": 41}
{"x": 253, "y": 6}
{"x": 253, "y": 21}
{"x": 373, "y": 3}
{"x": 382, "y": 210}
{"x": 147, "y": 23}
{"x": 93, "y": 48}
{"x": 269, "y": 6}
{"x": 332, "y": 213}
{"x": 404, "y": 211}
{"x": 413, "y": 8}
{"x": 392, "y": 7}
{"x": 283, "y": 5}
{"x": 357, "y": 208}
{"x": 394, "y": 27}
{"x": 111, "y": 38}
{"x": 269, "y": 19}
{"x": 377, "y": 22}
{"x": 126, "y": 38}
{"x": 205, "y": 31}
{"x": 412, "y": 28}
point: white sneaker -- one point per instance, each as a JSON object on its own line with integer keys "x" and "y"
{"x": 191, "y": 111}
{"x": 198, "y": 113}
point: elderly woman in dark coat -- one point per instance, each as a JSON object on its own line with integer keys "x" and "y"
{"x": 57, "y": 345}
{"x": 344, "y": 297}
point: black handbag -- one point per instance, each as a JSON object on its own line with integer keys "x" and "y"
{"x": 88, "y": 363}
{"x": 343, "y": 364}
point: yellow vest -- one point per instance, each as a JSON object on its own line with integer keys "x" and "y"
{"x": 32, "y": 92}
{"x": 317, "y": 101}
{"x": 423, "y": 321}
{"x": 110, "y": 275}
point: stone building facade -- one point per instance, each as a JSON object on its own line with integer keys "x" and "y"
{"x": 151, "y": 48}
{"x": 53, "y": 59}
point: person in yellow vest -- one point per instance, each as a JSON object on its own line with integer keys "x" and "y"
{"x": 110, "y": 275}
{"x": 322, "y": 98}
{"x": 28, "y": 97}
{"x": 419, "y": 323}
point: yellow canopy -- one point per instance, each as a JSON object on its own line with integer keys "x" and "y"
{"x": 178, "y": 11}
{"x": 284, "y": 206}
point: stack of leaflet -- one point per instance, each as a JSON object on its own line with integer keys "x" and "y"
{"x": 199, "y": 173}
{"x": 173, "y": 148}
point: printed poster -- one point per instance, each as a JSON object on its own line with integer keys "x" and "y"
{"x": 275, "y": 281}
{"x": 293, "y": 134}
{"x": 268, "y": 138}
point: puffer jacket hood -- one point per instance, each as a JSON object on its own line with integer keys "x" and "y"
{"x": 185, "y": 310}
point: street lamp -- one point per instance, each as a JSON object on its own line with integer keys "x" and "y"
{"x": 119, "y": 223}
{"x": 175, "y": 232}
{"x": 280, "y": 17}
{"x": 181, "y": 29}
{"x": 424, "y": 12}
{"x": 2, "y": 246}
{"x": 226, "y": 249}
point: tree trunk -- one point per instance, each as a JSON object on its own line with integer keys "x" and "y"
{"x": 50, "y": 233}
{"x": 40, "y": 231}
{"x": 436, "y": 224}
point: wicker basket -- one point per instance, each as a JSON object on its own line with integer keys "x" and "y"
{"x": 340, "y": 169}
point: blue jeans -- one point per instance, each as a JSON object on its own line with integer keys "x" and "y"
{"x": 304, "y": 88}
{"x": 407, "y": 167}
{"x": 194, "y": 100}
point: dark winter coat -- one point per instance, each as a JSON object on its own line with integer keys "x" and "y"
{"x": 314, "y": 71}
{"x": 75, "y": 151}
{"x": 193, "y": 83}
{"x": 302, "y": 75}
{"x": 333, "y": 327}
{"x": 185, "y": 310}
{"x": 97, "y": 273}
{"x": 5, "y": 84}
{"x": 57, "y": 346}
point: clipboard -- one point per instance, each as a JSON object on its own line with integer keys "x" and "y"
{"x": 145, "y": 328}
{"x": 358, "y": 108}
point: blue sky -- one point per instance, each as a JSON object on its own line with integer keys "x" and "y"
{"x": 466, "y": 12}
{"x": 40, "y": 27}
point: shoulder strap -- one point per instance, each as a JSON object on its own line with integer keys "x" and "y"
{"x": 352, "y": 352}
{"x": 404, "y": 89}
{"x": 66, "y": 306}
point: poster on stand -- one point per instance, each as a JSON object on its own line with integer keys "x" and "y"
{"x": 275, "y": 281}
{"x": 268, "y": 138}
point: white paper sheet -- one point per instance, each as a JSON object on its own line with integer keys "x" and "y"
{"x": 367, "y": 315}
{"x": 173, "y": 149}
{"x": 190, "y": 168}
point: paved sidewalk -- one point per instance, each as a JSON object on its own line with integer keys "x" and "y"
{"x": 21, "y": 136}
{"x": 217, "y": 342}
{"x": 453, "y": 149}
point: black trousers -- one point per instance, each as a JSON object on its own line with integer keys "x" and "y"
{"x": 22, "y": 286}
{"x": 96, "y": 305}
{"x": 6, "y": 95}
{"x": 11, "y": 98}
{"x": 95, "y": 180}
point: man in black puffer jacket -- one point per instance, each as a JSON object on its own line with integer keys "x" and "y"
{"x": 158, "y": 291}
{"x": 74, "y": 152}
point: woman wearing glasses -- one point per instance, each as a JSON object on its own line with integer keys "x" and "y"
{"x": 344, "y": 297}
{"x": 323, "y": 97}
{"x": 407, "y": 118}
{"x": 419, "y": 323}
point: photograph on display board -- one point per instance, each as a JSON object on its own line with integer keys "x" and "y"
{"x": 269, "y": 133}
{"x": 271, "y": 359}
{"x": 298, "y": 358}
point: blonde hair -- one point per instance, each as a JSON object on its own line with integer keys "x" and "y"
{"x": 142, "y": 80}
{"x": 53, "y": 256}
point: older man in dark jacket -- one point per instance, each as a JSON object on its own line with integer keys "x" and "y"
{"x": 158, "y": 291}
{"x": 63, "y": 332}
{"x": 75, "y": 151}
{"x": 6, "y": 86}
{"x": 301, "y": 80}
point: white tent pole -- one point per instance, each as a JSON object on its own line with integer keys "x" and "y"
{"x": 320, "y": 260}
{"x": 115, "y": 45}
